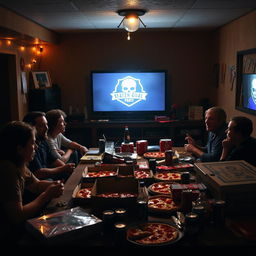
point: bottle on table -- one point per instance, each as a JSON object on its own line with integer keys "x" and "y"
{"x": 142, "y": 202}
{"x": 127, "y": 137}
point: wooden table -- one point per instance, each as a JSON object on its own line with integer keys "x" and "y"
{"x": 210, "y": 236}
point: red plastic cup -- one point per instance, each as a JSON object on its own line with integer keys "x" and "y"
{"x": 141, "y": 147}
{"x": 127, "y": 147}
{"x": 165, "y": 144}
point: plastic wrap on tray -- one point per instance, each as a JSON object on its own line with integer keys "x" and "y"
{"x": 59, "y": 223}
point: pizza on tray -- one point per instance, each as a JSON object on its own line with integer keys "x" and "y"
{"x": 84, "y": 192}
{"x": 117, "y": 195}
{"x": 162, "y": 204}
{"x": 156, "y": 155}
{"x": 96, "y": 174}
{"x": 160, "y": 188}
{"x": 152, "y": 234}
{"x": 142, "y": 174}
{"x": 168, "y": 176}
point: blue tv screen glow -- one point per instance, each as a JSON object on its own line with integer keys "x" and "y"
{"x": 249, "y": 91}
{"x": 128, "y": 91}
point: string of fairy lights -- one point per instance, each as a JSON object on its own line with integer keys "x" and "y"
{"x": 35, "y": 49}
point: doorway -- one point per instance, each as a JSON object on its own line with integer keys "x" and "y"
{"x": 8, "y": 95}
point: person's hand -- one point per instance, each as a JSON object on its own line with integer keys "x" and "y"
{"x": 61, "y": 152}
{"x": 189, "y": 139}
{"x": 55, "y": 189}
{"x": 69, "y": 168}
{"x": 189, "y": 148}
{"x": 227, "y": 144}
{"x": 83, "y": 150}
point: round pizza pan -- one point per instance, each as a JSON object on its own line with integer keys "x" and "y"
{"x": 178, "y": 237}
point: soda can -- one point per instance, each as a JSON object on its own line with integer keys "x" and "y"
{"x": 185, "y": 178}
{"x": 120, "y": 233}
{"x": 218, "y": 212}
{"x": 101, "y": 145}
{"x": 186, "y": 200}
{"x": 108, "y": 221}
{"x": 120, "y": 214}
{"x": 152, "y": 164}
{"x": 168, "y": 157}
{"x": 165, "y": 144}
{"x": 141, "y": 147}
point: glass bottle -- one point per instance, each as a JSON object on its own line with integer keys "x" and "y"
{"x": 127, "y": 137}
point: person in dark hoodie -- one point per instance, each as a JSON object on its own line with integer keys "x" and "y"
{"x": 239, "y": 145}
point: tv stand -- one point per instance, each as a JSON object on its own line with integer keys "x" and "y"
{"x": 89, "y": 132}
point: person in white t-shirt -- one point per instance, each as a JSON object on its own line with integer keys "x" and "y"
{"x": 62, "y": 147}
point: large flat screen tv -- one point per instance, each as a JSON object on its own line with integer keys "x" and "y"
{"x": 128, "y": 95}
{"x": 246, "y": 81}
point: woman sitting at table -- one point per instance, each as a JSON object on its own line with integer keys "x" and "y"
{"x": 58, "y": 142}
{"x": 239, "y": 145}
{"x": 18, "y": 139}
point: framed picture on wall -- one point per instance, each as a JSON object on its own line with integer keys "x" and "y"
{"x": 41, "y": 79}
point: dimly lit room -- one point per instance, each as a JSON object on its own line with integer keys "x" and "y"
{"x": 128, "y": 124}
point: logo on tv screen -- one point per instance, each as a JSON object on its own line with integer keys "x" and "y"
{"x": 128, "y": 91}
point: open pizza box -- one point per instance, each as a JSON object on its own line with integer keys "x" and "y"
{"x": 232, "y": 181}
{"x": 64, "y": 226}
{"x": 124, "y": 189}
{"x": 78, "y": 200}
{"x": 106, "y": 171}
{"x": 126, "y": 171}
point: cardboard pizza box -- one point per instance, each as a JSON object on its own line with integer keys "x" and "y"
{"x": 82, "y": 201}
{"x": 114, "y": 185}
{"x": 232, "y": 181}
{"x": 88, "y": 170}
{"x": 126, "y": 170}
{"x": 67, "y": 225}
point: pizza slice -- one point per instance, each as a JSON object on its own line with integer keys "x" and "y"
{"x": 137, "y": 233}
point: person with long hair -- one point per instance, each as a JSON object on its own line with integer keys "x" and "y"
{"x": 19, "y": 147}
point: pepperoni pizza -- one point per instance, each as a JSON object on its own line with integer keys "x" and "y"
{"x": 84, "y": 193}
{"x": 162, "y": 203}
{"x": 103, "y": 173}
{"x": 168, "y": 176}
{"x": 142, "y": 174}
{"x": 118, "y": 195}
{"x": 160, "y": 188}
{"x": 152, "y": 234}
{"x": 156, "y": 155}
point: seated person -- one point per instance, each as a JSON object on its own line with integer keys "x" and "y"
{"x": 239, "y": 145}
{"x": 215, "y": 122}
{"x": 45, "y": 165}
{"x": 57, "y": 141}
{"x": 19, "y": 140}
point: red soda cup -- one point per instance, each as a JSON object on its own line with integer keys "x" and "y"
{"x": 141, "y": 147}
{"x": 165, "y": 144}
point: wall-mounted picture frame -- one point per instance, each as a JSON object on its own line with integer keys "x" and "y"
{"x": 41, "y": 79}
